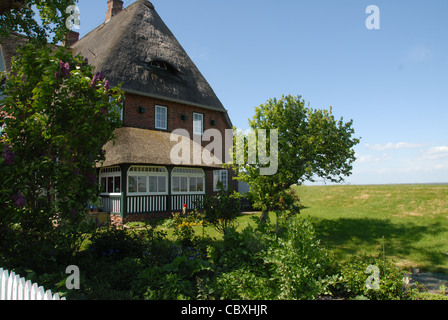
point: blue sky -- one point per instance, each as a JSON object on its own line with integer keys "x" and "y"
{"x": 393, "y": 82}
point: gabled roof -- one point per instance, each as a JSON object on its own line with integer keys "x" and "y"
{"x": 137, "y": 49}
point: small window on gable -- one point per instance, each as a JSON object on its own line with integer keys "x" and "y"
{"x": 162, "y": 65}
{"x": 159, "y": 64}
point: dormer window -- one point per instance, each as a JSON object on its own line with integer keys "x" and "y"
{"x": 159, "y": 64}
{"x": 162, "y": 65}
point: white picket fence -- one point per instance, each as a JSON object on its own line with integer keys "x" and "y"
{"x": 13, "y": 287}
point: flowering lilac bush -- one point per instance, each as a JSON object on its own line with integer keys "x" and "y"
{"x": 55, "y": 116}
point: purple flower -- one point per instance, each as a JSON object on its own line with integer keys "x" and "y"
{"x": 99, "y": 76}
{"x": 8, "y": 155}
{"x": 65, "y": 68}
{"x": 57, "y": 75}
{"x": 19, "y": 200}
{"x": 86, "y": 60}
{"x": 3, "y": 81}
{"x": 106, "y": 85}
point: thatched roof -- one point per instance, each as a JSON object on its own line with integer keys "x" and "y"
{"x": 137, "y": 49}
{"x": 140, "y": 146}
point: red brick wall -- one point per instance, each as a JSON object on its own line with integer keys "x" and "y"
{"x": 133, "y": 118}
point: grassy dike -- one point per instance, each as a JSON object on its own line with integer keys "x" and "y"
{"x": 409, "y": 223}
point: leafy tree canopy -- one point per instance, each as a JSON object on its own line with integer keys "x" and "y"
{"x": 56, "y": 115}
{"x": 311, "y": 144}
{"x": 20, "y": 17}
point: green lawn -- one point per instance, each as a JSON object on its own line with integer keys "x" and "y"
{"x": 352, "y": 220}
{"x": 410, "y": 222}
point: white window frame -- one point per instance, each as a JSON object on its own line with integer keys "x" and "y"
{"x": 156, "y": 114}
{"x": 110, "y": 173}
{"x": 223, "y": 176}
{"x": 144, "y": 172}
{"x": 187, "y": 173}
{"x": 196, "y": 128}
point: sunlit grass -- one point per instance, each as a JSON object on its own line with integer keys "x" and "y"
{"x": 410, "y": 222}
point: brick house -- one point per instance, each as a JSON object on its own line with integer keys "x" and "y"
{"x": 164, "y": 91}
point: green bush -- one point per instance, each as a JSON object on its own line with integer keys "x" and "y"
{"x": 221, "y": 210}
{"x": 299, "y": 265}
{"x": 116, "y": 243}
{"x": 243, "y": 284}
{"x": 355, "y": 275}
{"x": 255, "y": 264}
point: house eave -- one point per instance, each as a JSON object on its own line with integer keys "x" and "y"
{"x": 155, "y": 96}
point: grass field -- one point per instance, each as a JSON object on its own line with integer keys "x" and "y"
{"x": 410, "y": 222}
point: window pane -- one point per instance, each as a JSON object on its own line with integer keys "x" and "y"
{"x": 184, "y": 184}
{"x": 220, "y": 176}
{"x": 117, "y": 184}
{"x": 153, "y": 184}
{"x": 193, "y": 185}
{"x": 132, "y": 184}
{"x": 200, "y": 184}
{"x": 103, "y": 185}
{"x": 198, "y": 123}
{"x": 224, "y": 175}
{"x": 110, "y": 185}
{"x": 176, "y": 187}
{"x": 161, "y": 117}
{"x": 215, "y": 179}
{"x": 162, "y": 184}
{"x": 142, "y": 181}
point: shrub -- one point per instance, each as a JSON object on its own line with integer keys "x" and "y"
{"x": 255, "y": 264}
{"x": 355, "y": 279}
{"x": 176, "y": 280}
{"x": 243, "y": 284}
{"x": 300, "y": 266}
{"x": 221, "y": 210}
{"x": 116, "y": 243}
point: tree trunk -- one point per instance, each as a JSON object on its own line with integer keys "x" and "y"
{"x": 264, "y": 216}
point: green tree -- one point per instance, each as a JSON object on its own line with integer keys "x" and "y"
{"x": 55, "y": 117}
{"x": 311, "y": 144}
{"x": 20, "y": 17}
